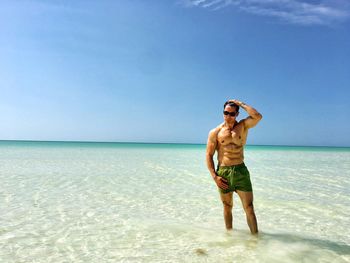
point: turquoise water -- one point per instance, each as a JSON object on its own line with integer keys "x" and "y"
{"x": 112, "y": 202}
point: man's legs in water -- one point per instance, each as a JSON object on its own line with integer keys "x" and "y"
{"x": 247, "y": 203}
{"x": 228, "y": 204}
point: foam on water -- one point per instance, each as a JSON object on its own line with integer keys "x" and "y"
{"x": 139, "y": 203}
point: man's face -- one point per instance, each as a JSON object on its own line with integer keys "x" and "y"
{"x": 230, "y": 113}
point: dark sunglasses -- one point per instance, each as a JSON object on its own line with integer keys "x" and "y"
{"x": 233, "y": 114}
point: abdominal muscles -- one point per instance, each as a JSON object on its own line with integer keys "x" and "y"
{"x": 230, "y": 154}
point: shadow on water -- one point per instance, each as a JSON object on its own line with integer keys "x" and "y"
{"x": 210, "y": 245}
{"x": 276, "y": 246}
{"x": 289, "y": 239}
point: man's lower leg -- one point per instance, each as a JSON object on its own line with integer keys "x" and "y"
{"x": 228, "y": 217}
{"x": 252, "y": 223}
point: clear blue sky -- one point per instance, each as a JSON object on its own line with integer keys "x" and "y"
{"x": 160, "y": 71}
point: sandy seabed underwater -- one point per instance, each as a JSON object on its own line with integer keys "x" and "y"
{"x": 118, "y": 202}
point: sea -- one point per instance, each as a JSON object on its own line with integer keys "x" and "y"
{"x": 139, "y": 202}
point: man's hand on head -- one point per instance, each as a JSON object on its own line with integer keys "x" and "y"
{"x": 237, "y": 102}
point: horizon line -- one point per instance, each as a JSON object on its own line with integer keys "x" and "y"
{"x": 183, "y": 143}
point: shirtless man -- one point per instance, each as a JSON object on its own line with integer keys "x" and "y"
{"x": 228, "y": 139}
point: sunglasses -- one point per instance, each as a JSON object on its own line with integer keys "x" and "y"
{"x": 232, "y": 114}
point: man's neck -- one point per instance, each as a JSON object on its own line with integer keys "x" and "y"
{"x": 230, "y": 125}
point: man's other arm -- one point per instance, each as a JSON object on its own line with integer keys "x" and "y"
{"x": 211, "y": 147}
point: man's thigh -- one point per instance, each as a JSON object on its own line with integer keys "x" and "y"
{"x": 246, "y": 197}
{"x": 227, "y": 199}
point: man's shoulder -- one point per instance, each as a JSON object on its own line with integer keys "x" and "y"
{"x": 213, "y": 134}
{"x": 243, "y": 123}
{"x": 216, "y": 129}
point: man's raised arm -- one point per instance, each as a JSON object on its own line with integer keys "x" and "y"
{"x": 254, "y": 115}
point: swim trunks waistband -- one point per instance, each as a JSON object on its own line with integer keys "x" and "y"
{"x": 232, "y": 166}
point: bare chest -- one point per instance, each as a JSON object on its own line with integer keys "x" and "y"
{"x": 235, "y": 136}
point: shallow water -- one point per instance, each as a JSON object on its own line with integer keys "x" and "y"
{"x": 80, "y": 202}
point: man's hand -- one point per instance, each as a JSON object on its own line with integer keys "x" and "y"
{"x": 237, "y": 102}
{"x": 221, "y": 182}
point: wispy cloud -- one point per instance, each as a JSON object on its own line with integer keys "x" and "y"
{"x": 323, "y": 12}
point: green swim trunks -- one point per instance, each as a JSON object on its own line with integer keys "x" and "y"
{"x": 237, "y": 176}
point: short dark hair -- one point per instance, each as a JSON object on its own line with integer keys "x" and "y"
{"x": 231, "y": 104}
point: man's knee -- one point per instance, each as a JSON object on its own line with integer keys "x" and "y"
{"x": 227, "y": 205}
{"x": 249, "y": 209}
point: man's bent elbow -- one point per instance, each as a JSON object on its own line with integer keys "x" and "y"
{"x": 258, "y": 116}
{"x": 209, "y": 156}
